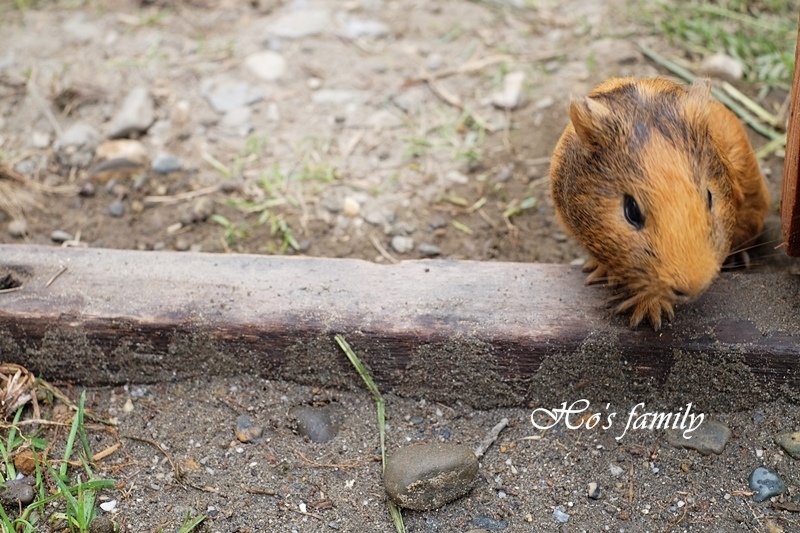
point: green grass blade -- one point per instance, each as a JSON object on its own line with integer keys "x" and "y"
{"x": 73, "y": 433}
{"x": 394, "y": 511}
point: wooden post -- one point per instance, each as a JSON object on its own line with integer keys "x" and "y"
{"x": 790, "y": 206}
{"x": 484, "y": 333}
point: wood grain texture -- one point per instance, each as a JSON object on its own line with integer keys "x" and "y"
{"x": 790, "y": 199}
{"x": 485, "y": 333}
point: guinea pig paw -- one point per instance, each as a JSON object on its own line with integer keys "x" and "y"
{"x": 597, "y": 272}
{"x": 651, "y": 306}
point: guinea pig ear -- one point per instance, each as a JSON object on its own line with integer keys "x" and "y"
{"x": 700, "y": 90}
{"x": 698, "y": 98}
{"x": 588, "y": 117}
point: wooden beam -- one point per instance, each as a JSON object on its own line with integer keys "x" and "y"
{"x": 484, "y": 333}
{"x": 790, "y": 199}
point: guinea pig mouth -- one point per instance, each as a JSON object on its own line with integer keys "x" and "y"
{"x": 680, "y": 297}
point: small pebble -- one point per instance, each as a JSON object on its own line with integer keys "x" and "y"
{"x": 351, "y": 208}
{"x": 429, "y": 250}
{"x": 246, "y": 431}
{"x": 108, "y": 506}
{"x": 267, "y": 65}
{"x": 17, "y": 491}
{"x": 116, "y": 209}
{"x": 594, "y": 491}
{"x": 560, "y": 516}
{"x": 87, "y": 189}
{"x": 135, "y": 116}
{"x": 790, "y": 442}
{"x": 511, "y": 95}
{"x": 709, "y": 438}
{"x": 427, "y": 476}
{"x": 166, "y": 163}
{"x": 314, "y": 423}
{"x": 18, "y": 228}
{"x": 723, "y": 66}
{"x": 339, "y": 97}
{"x": 486, "y": 523}
{"x": 434, "y": 62}
{"x": 60, "y": 236}
{"x": 767, "y": 482}
{"x": 75, "y": 147}
{"x": 616, "y": 470}
{"x": 402, "y": 244}
{"x": 300, "y": 23}
{"x": 357, "y": 27}
{"x": 225, "y": 94}
{"x": 40, "y": 140}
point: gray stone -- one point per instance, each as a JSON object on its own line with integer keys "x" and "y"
{"x": 165, "y": 163}
{"x": 237, "y": 121}
{"x": 7, "y": 60}
{"x": 594, "y": 491}
{"x": 357, "y": 27}
{"x": 790, "y": 442}
{"x": 709, "y": 438}
{"x": 314, "y": 423}
{"x": 384, "y": 119}
{"x": 411, "y": 99}
{"x": 429, "y": 250}
{"x": 267, "y": 65}
{"x": 434, "y": 62}
{"x": 427, "y": 476}
{"x": 17, "y": 491}
{"x": 767, "y": 482}
{"x": 226, "y": 94}
{"x": 60, "y": 236}
{"x": 18, "y": 228}
{"x": 75, "y": 147}
{"x": 300, "y": 23}
{"x": 80, "y": 30}
{"x": 486, "y": 523}
{"x": 560, "y": 516}
{"x": 723, "y": 67}
{"x": 339, "y": 96}
{"x": 246, "y": 431}
{"x": 135, "y": 116}
{"x": 402, "y": 244}
{"x": 116, "y": 209}
{"x": 40, "y": 139}
{"x": 87, "y": 189}
{"x": 615, "y": 470}
{"x": 511, "y": 95}
{"x": 27, "y": 166}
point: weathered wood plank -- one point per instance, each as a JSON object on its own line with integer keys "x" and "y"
{"x": 485, "y": 333}
{"x": 790, "y": 198}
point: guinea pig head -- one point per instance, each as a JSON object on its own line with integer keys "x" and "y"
{"x": 642, "y": 188}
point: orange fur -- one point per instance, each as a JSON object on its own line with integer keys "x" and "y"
{"x": 667, "y": 147}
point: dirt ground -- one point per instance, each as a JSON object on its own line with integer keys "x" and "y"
{"x": 368, "y": 131}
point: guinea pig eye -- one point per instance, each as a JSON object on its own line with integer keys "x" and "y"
{"x": 709, "y": 200}
{"x": 632, "y": 213}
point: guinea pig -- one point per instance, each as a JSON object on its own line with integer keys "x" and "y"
{"x": 659, "y": 183}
